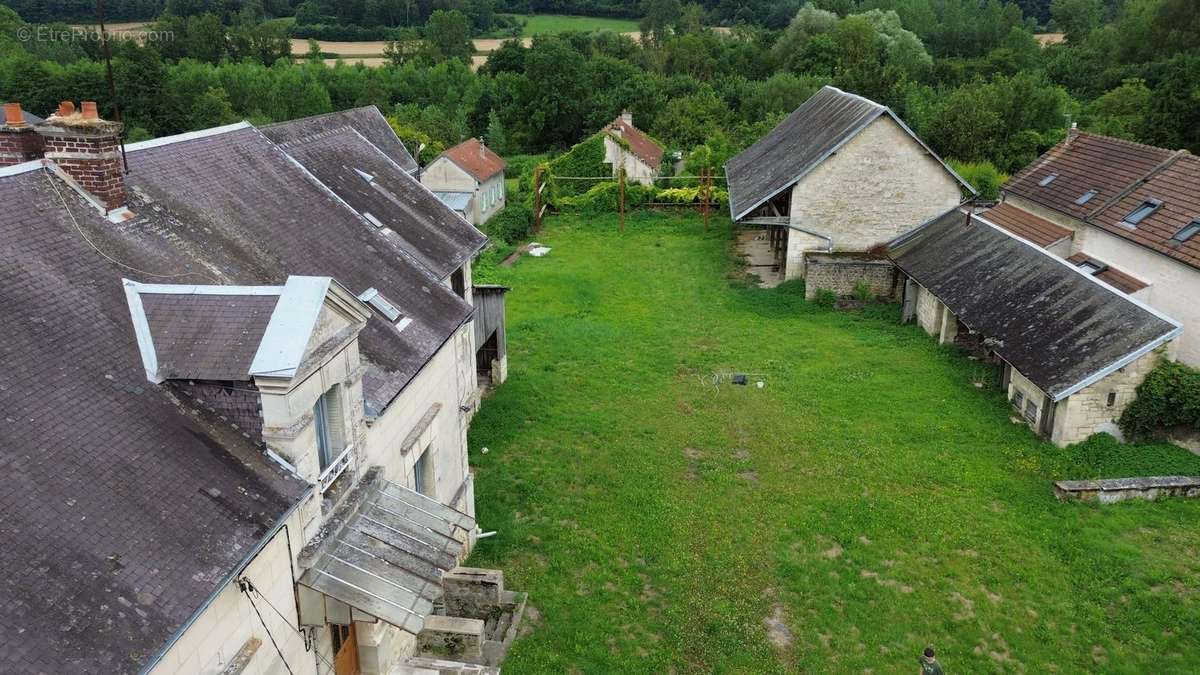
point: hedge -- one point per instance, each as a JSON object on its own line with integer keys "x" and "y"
{"x": 584, "y": 159}
{"x": 1168, "y": 397}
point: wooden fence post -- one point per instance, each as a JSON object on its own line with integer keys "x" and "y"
{"x": 537, "y": 198}
{"x": 621, "y": 196}
{"x": 707, "y": 195}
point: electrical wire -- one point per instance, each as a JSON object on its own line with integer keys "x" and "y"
{"x": 245, "y": 583}
{"x": 106, "y": 256}
{"x": 251, "y": 588}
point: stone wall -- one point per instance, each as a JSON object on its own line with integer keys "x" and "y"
{"x": 930, "y": 311}
{"x": 879, "y": 185}
{"x": 1098, "y": 406}
{"x": 842, "y": 275}
{"x": 1119, "y": 489}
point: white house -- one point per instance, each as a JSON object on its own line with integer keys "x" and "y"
{"x": 629, "y": 148}
{"x": 258, "y": 399}
{"x": 469, "y": 178}
{"x": 841, "y": 175}
{"x": 1126, "y": 212}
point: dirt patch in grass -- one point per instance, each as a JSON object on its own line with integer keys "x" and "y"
{"x": 777, "y": 630}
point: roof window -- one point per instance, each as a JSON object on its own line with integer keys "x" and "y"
{"x": 1048, "y": 180}
{"x": 1086, "y": 197}
{"x": 375, "y": 299}
{"x": 1092, "y": 267}
{"x": 1190, "y": 230}
{"x": 1141, "y": 212}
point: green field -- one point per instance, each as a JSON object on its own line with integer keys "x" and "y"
{"x": 549, "y": 24}
{"x": 868, "y": 500}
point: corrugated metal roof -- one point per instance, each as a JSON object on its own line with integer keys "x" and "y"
{"x": 821, "y": 125}
{"x": 1055, "y": 324}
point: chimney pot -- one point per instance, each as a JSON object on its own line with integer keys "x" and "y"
{"x": 13, "y": 116}
{"x": 89, "y": 111}
{"x": 66, "y": 109}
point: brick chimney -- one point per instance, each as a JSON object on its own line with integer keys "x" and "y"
{"x": 19, "y": 142}
{"x": 88, "y": 149}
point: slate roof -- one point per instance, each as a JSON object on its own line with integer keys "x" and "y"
{"x": 640, "y": 144}
{"x": 1026, "y": 225}
{"x": 1084, "y": 162}
{"x": 1058, "y": 326}
{"x": 1177, "y": 186}
{"x": 371, "y": 183}
{"x": 207, "y": 337}
{"x": 368, "y": 121}
{"x": 826, "y": 121}
{"x": 127, "y": 505}
{"x": 476, "y": 159}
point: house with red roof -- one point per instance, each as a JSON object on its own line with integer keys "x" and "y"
{"x": 1124, "y": 212}
{"x": 468, "y": 178}
{"x": 626, "y": 146}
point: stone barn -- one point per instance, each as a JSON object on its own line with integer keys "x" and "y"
{"x": 840, "y": 174}
{"x": 1073, "y": 348}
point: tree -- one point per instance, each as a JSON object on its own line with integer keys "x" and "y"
{"x": 496, "y": 136}
{"x": 1077, "y": 18}
{"x": 1119, "y": 112}
{"x": 308, "y": 13}
{"x": 659, "y": 17}
{"x": 211, "y": 109}
{"x": 448, "y": 36}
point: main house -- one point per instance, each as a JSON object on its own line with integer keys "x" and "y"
{"x": 1073, "y": 349}
{"x": 468, "y": 178}
{"x": 629, "y": 148}
{"x": 841, "y": 176}
{"x": 1127, "y": 213}
{"x": 236, "y": 406}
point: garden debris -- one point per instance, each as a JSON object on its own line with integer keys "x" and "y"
{"x": 537, "y": 250}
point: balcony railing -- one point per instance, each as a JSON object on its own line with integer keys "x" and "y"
{"x": 336, "y": 468}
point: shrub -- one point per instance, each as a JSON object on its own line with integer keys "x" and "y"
{"x": 1168, "y": 397}
{"x": 513, "y": 224}
{"x": 825, "y": 297}
{"x": 983, "y": 176}
{"x": 862, "y": 292}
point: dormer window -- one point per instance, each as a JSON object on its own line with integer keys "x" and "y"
{"x": 380, "y": 304}
{"x": 1142, "y": 212}
{"x": 333, "y": 454}
{"x": 1086, "y": 197}
{"x": 1092, "y": 267}
{"x": 1048, "y": 180}
{"x": 1190, "y": 230}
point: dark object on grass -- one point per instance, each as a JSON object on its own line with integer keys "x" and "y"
{"x": 740, "y": 379}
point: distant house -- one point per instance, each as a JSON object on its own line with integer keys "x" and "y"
{"x": 257, "y": 399}
{"x": 468, "y": 178}
{"x": 626, "y": 146}
{"x": 1074, "y": 349}
{"x": 1125, "y": 212}
{"x": 842, "y": 174}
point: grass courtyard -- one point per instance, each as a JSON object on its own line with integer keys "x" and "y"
{"x": 867, "y": 501}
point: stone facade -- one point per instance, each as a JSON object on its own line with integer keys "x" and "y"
{"x": 844, "y": 274}
{"x": 1098, "y": 406}
{"x": 636, "y": 170}
{"x": 879, "y": 185}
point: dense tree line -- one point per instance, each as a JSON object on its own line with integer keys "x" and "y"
{"x": 969, "y": 76}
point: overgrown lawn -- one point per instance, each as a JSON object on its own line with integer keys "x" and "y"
{"x": 868, "y": 500}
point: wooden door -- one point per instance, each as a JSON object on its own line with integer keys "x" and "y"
{"x": 345, "y": 649}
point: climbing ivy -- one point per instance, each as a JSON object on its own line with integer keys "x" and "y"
{"x": 1168, "y": 397}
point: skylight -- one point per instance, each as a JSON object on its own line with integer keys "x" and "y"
{"x": 1048, "y": 180}
{"x": 1190, "y": 230}
{"x": 1086, "y": 197}
{"x": 1090, "y": 267}
{"x": 365, "y": 176}
{"x": 375, "y": 299}
{"x": 1141, "y": 212}
{"x": 372, "y": 219}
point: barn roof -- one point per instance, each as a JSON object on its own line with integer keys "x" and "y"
{"x": 1060, "y": 327}
{"x": 825, "y": 122}
{"x": 386, "y": 195}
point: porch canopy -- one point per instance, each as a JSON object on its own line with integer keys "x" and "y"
{"x": 381, "y": 556}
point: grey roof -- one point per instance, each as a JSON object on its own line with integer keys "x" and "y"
{"x": 1061, "y": 328}
{"x": 207, "y": 337}
{"x": 813, "y": 132}
{"x": 455, "y": 201}
{"x": 354, "y": 168}
{"x": 368, "y": 121}
{"x": 125, "y": 504}
{"x": 128, "y": 503}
